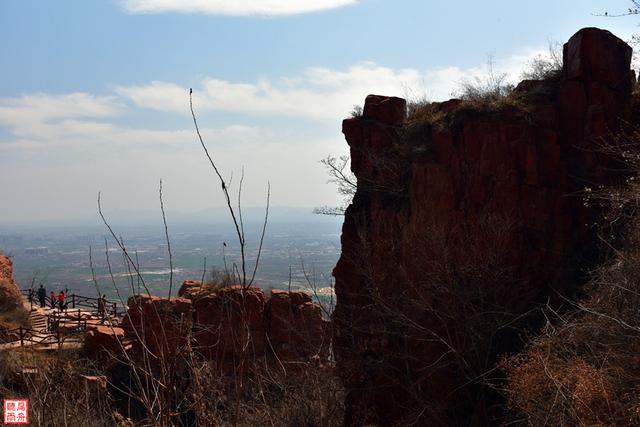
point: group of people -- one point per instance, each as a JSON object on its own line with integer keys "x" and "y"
{"x": 60, "y": 302}
{"x": 54, "y": 300}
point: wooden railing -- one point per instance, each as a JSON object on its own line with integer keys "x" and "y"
{"x": 27, "y": 336}
{"x": 73, "y": 301}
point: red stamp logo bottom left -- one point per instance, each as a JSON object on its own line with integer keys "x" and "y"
{"x": 16, "y": 411}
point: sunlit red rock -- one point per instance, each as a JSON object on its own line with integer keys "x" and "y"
{"x": 162, "y": 324}
{"x": 104, "y": 340}
{"x": 10, "y": 297}
{"x": 294, "y": 325}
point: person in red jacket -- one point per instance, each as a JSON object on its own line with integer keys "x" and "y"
{"x": 52, "y": 299}
{"x": 61, "y": 305}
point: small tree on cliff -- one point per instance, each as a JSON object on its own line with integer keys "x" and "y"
{"x": 340, "y": 174}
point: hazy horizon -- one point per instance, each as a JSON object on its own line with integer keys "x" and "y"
{"x": 218, "y": 216}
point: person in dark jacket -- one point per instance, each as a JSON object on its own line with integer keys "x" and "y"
{"x": 42, "y": 296}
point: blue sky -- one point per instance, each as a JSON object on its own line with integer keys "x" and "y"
{"x": 93, "y": 94}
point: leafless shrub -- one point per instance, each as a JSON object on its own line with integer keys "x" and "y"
{"x": 218, "y": 278}
{"x": 306, "y": 394}
{"x": 245, "y": 275}
{"x": 302, "y": 394}
{"x": 544, "y": 67}
{"x": 488, "y": 90}
{"x": 162, "y": 380}
{"x": 343, "y": 178}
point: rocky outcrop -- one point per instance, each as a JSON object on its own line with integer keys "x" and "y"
{"x": 294, "y": 326}
{"x": 10, "y": 297}
{"x": 464, "y": 219}
{"x": 288, "y": 326}
{"x": 225, "y": 325}
{"x": 159, "y": 325}
{"x": 228, "y": 325}
{"x": 104, "y": 341}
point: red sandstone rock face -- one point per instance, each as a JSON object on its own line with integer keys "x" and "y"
{"x": 103, "y": 340}
{"x": 10, "y": 296}
{"x": 597, "y": 55}
{"x": 453, "y": 221}
{"x": 190, "y": 289}
{"x": 229, "y": 323}
{"x": 162, "y": 324}
{"x": 294, "y": 325}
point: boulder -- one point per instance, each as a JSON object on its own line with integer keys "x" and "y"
{"x": 159, "y": 325}
{"x": 294, "y": 325}
{"x": 104, "y": 340}
{"x": 596, "y": 55}
{"x": 191, "y": 289}
{"x": 95, "y": 386}
{"x": 228, "y": 324}
{"x": 385, "y": 109}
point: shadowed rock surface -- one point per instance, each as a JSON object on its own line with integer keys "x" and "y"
{"x": 464, "y": 221}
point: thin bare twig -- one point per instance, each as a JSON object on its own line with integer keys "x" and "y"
{"x": 166, "y": 234}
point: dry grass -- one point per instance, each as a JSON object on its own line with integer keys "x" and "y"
{"x": 14, "y": 319}
{"x": 301, "y": 394}
{"x": 584, "y": 369}
{"x": 52, "y": 381}
{"x": 489, "y": 96}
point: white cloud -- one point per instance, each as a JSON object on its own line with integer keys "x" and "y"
{"x": 319, "y": 93}
{"x": 59, "y": 150}
{"x": 43, "y": 107}
{"x": 233, "y": 7}
{"x": 56, "y": 172}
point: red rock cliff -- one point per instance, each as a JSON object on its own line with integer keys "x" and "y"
{"x": 10, "y": 297}
{"x": 462, "y": 222}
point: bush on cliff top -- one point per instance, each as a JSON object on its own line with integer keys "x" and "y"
{"x": 489, "y": 94}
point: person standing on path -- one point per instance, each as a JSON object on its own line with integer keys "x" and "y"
{"x": 61, "y": 305}
{"x": 102, "y": 307}
{"x": 31, "y": 296}
{"x": 42, "y": 296}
